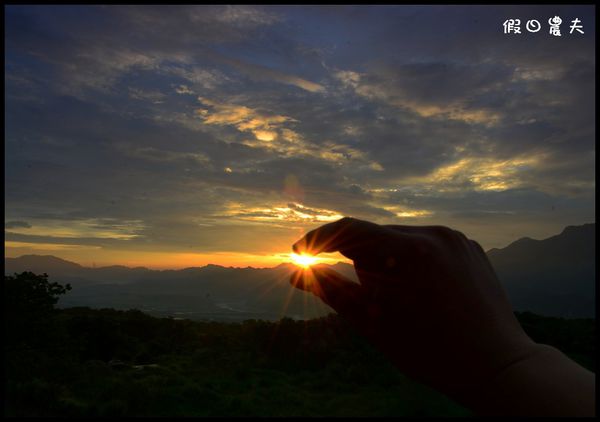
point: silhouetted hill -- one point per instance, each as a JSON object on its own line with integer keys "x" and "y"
{"x": 554, "y": 276}
{"x": 69, "y": 272}
{"x": 40, "y": 264}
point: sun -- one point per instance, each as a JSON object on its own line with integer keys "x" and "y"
{"x": 303, "y": 260}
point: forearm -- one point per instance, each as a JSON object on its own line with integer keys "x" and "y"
{"x": 546, "y": 383}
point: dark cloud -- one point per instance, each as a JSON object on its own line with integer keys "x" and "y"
{"x": 17, "y": 224}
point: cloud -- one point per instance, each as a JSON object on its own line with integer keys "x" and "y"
{"x": 206, "y": 128}
{"x": 243, "y": 118}
{"x": 160, "y": 155}
{"x": 264, "y": 73}
{"x": 431, "y": 89}
{"x": 98, "y": 228}
{"x": 183, "y": 89}
{"x": 478, "y": 173}
{"x": 348, "y": 78}
{"x": 271, "y": 134}
{"x": 155, "y": 97}
{"x": 291, "y": 212}
{"x": 17, "y": 224}
{"x": 196, "y": 76}
{"x": 108, "y": 43}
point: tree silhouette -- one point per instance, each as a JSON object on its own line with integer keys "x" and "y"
{"x": 29, "y": 301}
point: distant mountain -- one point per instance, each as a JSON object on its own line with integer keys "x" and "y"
{"x": 69, "y": 272}
{"x": 554, "y": 276}
{"x": 40, "y": 264}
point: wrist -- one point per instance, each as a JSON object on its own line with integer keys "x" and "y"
{"x": 542, "y": 382}
{"x": 500, "y": 358}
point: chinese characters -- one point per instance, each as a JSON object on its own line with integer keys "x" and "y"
{"x": 513, "y": 26}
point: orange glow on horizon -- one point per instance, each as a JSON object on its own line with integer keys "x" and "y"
{"x": 94, "y": 256}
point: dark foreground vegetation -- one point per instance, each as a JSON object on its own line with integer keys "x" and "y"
{"x": 85, "y": 362}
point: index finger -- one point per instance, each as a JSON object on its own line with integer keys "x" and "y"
{"x": 349, "y": 236}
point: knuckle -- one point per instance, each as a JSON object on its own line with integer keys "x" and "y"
{"x": 347, "y": 220}
{"x": 352, "y": 223}
{"x": 460, "y": 235}
{"x": 477, "y": 246}
{"x": 443, "y": 232}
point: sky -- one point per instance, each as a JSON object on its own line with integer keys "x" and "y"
{"x": 177, "y": 136}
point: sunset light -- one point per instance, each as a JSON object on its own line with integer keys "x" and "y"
{"x": 219, "y": 135}
{"x": 287, "y": 210}
{"x": 304, "y": 260}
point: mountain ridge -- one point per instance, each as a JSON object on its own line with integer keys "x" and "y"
{"x": 525, "y": 239}
{"x": 553, "y": 276}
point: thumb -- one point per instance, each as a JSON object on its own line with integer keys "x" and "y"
{"x": 346, "y": 297}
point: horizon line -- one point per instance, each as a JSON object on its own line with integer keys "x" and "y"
{"x": 339, "y": 259}
{"x": 164, "y": 269}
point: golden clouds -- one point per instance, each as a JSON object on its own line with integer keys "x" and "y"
{"x": 292, "y": 212}
{"x": 481, "y": 172}
{"x": 265, "y": 135}
{"x": 395, "y": 96}
{"x": 263, "y": 127}
{"x": 404, "y": 212}
{"x": 468, "y": 173}
{"x": 454, "y": 111}
{"x": 270, "y": 132}
{"x": 89, "y": 228}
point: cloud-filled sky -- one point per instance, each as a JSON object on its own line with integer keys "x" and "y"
{"x": 172, "y": 136}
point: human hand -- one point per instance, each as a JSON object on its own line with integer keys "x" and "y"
{"x": 428, "y": 298}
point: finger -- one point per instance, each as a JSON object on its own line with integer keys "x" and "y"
{"x": 430, "y": 230}
{"x": 299, "y": 279}
{"x": 401, "y": 228}
{"x": 477, "y": 246}
{"x": 349, "y": 236}
{"x": 346, "y": 297}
